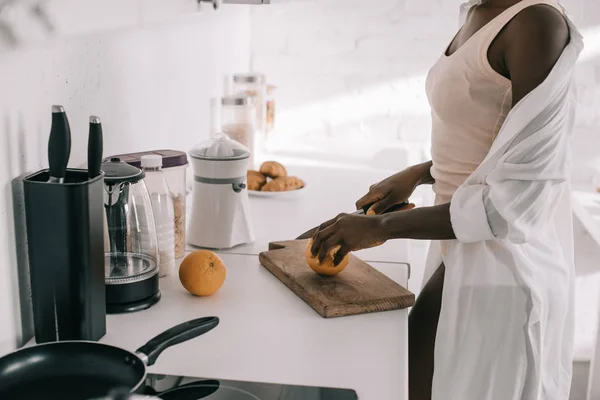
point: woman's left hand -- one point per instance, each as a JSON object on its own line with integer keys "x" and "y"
{"x": 349, "y": 231}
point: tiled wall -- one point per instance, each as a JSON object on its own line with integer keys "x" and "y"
{"x": 355, "y": 69}
{"x": 147, "y": 68}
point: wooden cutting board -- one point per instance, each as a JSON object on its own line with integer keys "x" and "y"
{"x": 359, "y": 289}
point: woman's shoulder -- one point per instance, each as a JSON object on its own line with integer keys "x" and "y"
{"x": 540, "y": 23}
{"x": 532, "y": 44}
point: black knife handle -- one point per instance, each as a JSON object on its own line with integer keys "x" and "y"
{"x": 59, "y": 144}
{"x": 396, "y": 207}
{"x": 95, "y": 147}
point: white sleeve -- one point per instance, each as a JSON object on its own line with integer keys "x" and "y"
{"x": 519, "y": 196}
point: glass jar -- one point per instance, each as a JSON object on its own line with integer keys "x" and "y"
{"x": 253, "y": 85}
{"x": 177, "y": 180}
{"x": 175, "y": 165}
{"x": 162, "y": 207}
{"x": 238, "y": 121}
{"x": 270, "y": 110}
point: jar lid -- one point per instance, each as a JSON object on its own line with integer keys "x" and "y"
{"x": 249, "y": 78}
{"x": 170, "y": 158}
{"x": 220, "y": 147}
{"x": 117, "y": 171}
{"x": 151, "y": 161}
{"x": 237, "y": 100}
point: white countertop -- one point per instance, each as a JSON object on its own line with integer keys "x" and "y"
{"x": 268, "y": 334}
{"x": 586, "y": 206}
{"x": 271, "y": 335}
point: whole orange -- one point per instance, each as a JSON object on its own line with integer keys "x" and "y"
{"x": 326, "y": 267}
{"x": 202, "y": 273}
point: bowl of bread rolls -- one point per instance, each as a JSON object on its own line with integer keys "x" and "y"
{"x": 273, "y": 180}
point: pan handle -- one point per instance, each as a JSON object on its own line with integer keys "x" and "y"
{"x": 178, "y": 334}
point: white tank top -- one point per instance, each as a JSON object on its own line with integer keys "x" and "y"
{"x": 469, "y": 102}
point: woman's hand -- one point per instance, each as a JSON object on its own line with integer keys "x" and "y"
{"x": 395, "y": 190}
{"x": 350, "y": 231}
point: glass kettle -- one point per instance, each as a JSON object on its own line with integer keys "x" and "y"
{"x": 131, "y": 251}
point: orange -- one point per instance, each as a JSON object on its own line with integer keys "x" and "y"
{"x": 202, "y": 273}
{"x": 326, "y": 267}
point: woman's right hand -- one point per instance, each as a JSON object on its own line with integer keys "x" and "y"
{"x": 394, "y": 190}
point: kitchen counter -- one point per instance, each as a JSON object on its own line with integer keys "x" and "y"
{"x": 268, "y": 334}
{"x": 586, "y": 208}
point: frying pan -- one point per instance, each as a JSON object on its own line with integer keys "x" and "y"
{"x": 77, "y": 370}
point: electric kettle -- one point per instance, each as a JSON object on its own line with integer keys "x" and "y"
{"x": 131, "y": 250}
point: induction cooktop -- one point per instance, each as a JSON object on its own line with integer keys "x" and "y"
{"x": 168, "y": 387}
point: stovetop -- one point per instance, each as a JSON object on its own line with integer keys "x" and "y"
{"x": 168, "y": 387}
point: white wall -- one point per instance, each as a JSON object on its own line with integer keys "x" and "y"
{"x": 150, "y": 83}
{"x": 355, "y": 69}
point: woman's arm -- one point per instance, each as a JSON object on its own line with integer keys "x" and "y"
{"x": 395, "y": 189}
{"x": 425, "y": 173}
{"x": 426, "y": 223}
{"x": 532, "y": 43}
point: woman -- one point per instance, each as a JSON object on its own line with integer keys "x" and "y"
{"x": 495, "y": 313}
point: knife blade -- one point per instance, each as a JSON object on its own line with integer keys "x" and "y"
{"x": 59, "y": 145}
{"x": 310, "y": 233}
{"x": 94, "y": 147}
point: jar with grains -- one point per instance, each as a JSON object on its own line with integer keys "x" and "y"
{"x": 270, "y": 110}
{"x": 254, "y": 85}
{"x": 175, "y": 164}
{"x": 238, "y": 121}
{"x": 162, "y": 207}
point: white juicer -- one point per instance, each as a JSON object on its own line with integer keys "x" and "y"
{"x": 220, "y": 210}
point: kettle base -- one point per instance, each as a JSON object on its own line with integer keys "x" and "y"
{"x": 134, "y": 306}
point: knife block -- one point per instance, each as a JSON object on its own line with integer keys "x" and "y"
{"x": 65, "y": 241}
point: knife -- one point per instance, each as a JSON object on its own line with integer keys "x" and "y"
{"x": 94, "y": 147}
{"x": 59, "y": 145}
{"x": 310, "y": 233}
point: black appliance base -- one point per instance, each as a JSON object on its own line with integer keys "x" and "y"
{"x": 133, "y": 306}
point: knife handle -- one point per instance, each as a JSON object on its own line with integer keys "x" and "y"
{"x": 95, "y": 147}
{"x": 59, "y": 144}
{"x": 393, "y": 208}
{"x": 396, "y": 207}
